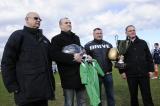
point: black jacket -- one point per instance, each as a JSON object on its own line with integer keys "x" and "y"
{"x": 68, "y": 69}
{"x": 138, "y": 59}
{"x": 26, "y": 66}
{"x": 98, "y": 49}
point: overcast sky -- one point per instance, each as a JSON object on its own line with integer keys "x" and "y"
{"x": 110, "y": 15}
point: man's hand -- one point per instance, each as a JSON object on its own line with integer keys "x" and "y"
{"x": 123, "y": 75}
{"x": 150, "y": 74}
{"x": 78, "y": 57}
{"x": 89, "y": 58}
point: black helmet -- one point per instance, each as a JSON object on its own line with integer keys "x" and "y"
{"x": 72, "y": 48}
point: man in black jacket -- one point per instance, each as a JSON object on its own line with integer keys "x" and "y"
{"x": 139, "y": 68}
{"x": 68, "y": 64}
{"x": 98, "y": 49}
{"x": 26, "y": 65}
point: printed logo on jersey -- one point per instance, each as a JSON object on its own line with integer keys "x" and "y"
{"x": 92, "y": 47}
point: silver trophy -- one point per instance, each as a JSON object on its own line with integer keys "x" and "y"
{"x": 117, "y": 54}
{"x": 122, "y": 46}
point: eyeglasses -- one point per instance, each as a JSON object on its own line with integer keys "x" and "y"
{"x": 37, "y": 18}
{"x": 67, "y": 22}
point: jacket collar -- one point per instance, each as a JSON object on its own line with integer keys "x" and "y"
{"x": 136, "y": 40}
{"x": 69, "y": 33}
{"x": 35, "y": 33}
{"x": 32, "y": 30}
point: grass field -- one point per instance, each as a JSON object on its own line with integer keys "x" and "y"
{"x": 121, "y": 92}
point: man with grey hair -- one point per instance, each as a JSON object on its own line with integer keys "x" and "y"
{"x": 26, "y": 65}
{"x": 68, "y": 64}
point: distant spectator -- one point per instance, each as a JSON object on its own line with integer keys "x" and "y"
{"x": 156, "y": 59}
{"x": 54, "y": 67}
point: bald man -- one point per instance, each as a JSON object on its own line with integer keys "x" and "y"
{"x": 26, "y": 65}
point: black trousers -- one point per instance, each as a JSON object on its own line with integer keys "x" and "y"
{"x": 144, "y": 84}
{"x": 37, "y": 103}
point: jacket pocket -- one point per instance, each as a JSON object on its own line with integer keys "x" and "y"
{"x": 36, "y": 85}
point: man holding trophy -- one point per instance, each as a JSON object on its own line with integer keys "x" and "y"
{"x": 137, "y": 66}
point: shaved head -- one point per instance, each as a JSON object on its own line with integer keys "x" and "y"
{"x": 33, "y": 20}
{"x": 30, "y": 14}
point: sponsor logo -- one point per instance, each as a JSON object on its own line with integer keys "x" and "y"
{"x": 92, "y": 47}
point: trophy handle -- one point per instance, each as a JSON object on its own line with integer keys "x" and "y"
{"x": 116, "y": 41}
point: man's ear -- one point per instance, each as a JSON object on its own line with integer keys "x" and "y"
{"x": 126, "y": 34}
{"x": 26, "y": 18}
